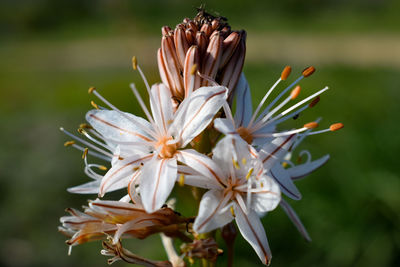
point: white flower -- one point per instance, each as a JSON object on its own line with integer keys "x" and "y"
{"x": 238, "y": 188}
{"x": 148, "y": 150}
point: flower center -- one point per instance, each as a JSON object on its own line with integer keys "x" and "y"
{"x": 167, "y": 150}
{"x": 245, "y": 134}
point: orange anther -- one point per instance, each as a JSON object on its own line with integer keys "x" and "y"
{"x": 308, "y": 71}
{"x": 286, "y": 72}
{"x": 311, "y": 125}
{"x": 314, "y": 102}
{"x": 336, "y": 126}
{"x": 295, "y": 92}
{"x": 91, "y": 89}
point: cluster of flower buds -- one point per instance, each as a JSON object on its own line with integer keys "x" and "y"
{"x": 243, "y": 173}
{"x": 198, "y": 51}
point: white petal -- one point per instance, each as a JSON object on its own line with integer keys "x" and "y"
{"x": 267, "y": 197}
{"x": 285, "y": 182}
{"x": 200, "y": 181}
{"x": 210, "y": 217}
{"x": 123, "y": 170}
{"x": 87, "y": 188}
{"x": 162, "y": 108}
{"x": 295, "y": 219}
{"x": 274, "y": 151}
{"x": 156, "y": 182}
{"x": 197, "y": 111}
{"x": 253, "y": 231}
{"x": 244, "y": 108}
{"x": 230, "y": 148}
{"x": 111, "y": 124}
{"x": 203, "y": 165}
{"x": 224, "y": 126}
{"x": 302, "y": 170}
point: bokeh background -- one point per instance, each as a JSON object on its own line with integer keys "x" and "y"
{"x": 52, "y": 51}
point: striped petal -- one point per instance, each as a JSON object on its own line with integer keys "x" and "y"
{"x": 253, "y": 231}
{"x": 123, "y": 170}
{"x": 299, "y": 171}
{"x": 274, "y": 151}
{"x": 224, "y": 126}
{"x": 196, "y": 112}
{"x": 210, "y": 216}
{"x": 285, "y": 182}
{"x": 115, "y": 126}
{"x": 244, "y": 108}
{"x": 204, "y": 166}
{"x": 156, "y": 182}
{"x": 295, "y": 219}
{"x": 161, "y": 106}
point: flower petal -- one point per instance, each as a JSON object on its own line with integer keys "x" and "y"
{"x": 123, "y": 170}
{"x": 267, "y": 197}
{"x": 299, "y": 171}
{"x": 156, "y": 182}
{"x": 230, "y": 149}
{"x": 224, "y": 126}
{"x": 244, "y": 108}
{"x": 197, "y": 111}
{"x": 274, "y": 151}
{"x": 295, "y": 219}
{"x": 113, "y": 125}
{"x": 210, "y": 217}
{"x": 253, "y": 231}
{"x": 285, "y": 182}
{"x": 203, "y": 165}
{"x": 162, "y": 108}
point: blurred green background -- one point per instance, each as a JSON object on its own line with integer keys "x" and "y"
{"x": 52, "y": 51}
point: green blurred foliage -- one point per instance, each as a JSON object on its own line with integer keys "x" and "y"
{"x": 52, "y": 52}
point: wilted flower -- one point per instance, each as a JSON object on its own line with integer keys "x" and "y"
{"x": 120, "y": 219}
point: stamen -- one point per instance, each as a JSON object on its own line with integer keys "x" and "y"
{"x": 279, "y": 97}
{"x": 94, "y": 105}
{"x": 134, "y": 63}
{"x": 236, "y": 164}
{"x": 86, "y": 143}
{"x": 85, "y": 152}
{"x": 304, "y": 100}
{"x": 181, "y": 180}
{"x": 314, "y": 102}
{"x": 244, "y": 161}
{"x": 263, "y": 101}
{"x": 69, "y": 143}
{"x": 91, "y": 89}
{"x": 92, "y": 153}
{"x": 336, "y": 126}
{"x": 85, "y": 126}
{"x": 232, "y": 211}
{"x": 82, "y": 131}
{"x": 308, "y": 71}
{"x": 311, "y": 125}
{"x": 332, "y": 128}
{"x": 249, "y": 173}
{"x": 141, "y": 103}
{"x": 102, "y": 167}
{"x": 285, "y": 73}
{"x": 295, "y": 92}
